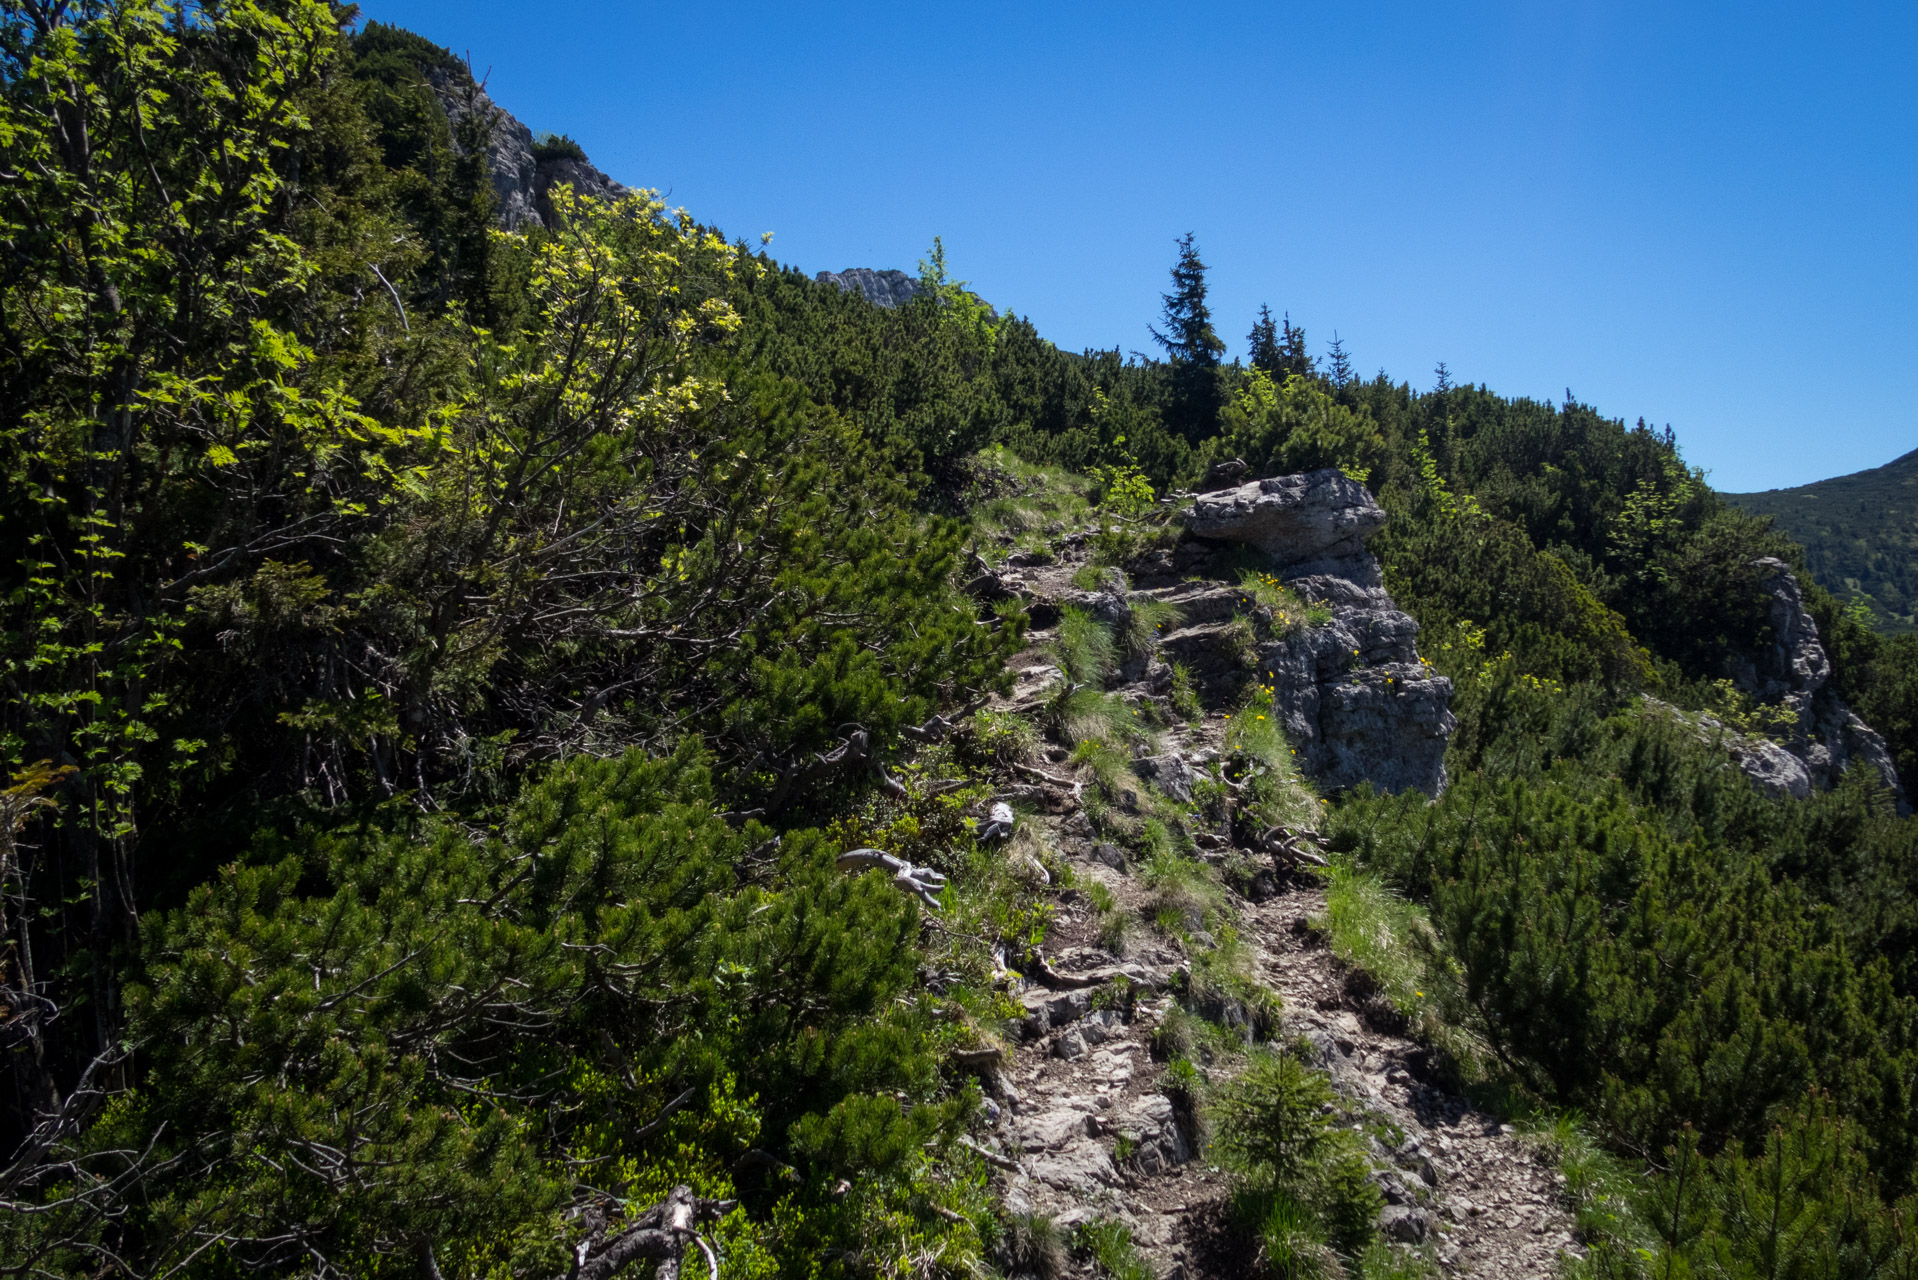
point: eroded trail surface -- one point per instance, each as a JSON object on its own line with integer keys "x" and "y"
{"x": 1081, "y": 1128}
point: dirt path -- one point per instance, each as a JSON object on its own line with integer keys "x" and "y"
{"x": 1080, "y": 1120}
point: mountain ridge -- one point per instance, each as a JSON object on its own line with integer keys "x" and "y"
{"x": 1859, "y": 533}
{"x": 576, "y": 749}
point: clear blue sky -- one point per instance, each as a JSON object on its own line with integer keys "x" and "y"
{"x": 1702, "y": 214}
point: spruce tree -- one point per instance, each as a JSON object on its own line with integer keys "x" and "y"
{"x": 1338, "y": 365}
{"x": 1279, "y": 349}
{"x": 1266, "y": 354}
{"x": 1293, "y": 357}
{"x": 1192, "y": 347}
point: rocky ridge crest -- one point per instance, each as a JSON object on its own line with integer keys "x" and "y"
{"x": 1081, "y": 1126}
{"x": 1825, "y": 738}
{"x": 889, "y": 288}
{"x": 521, "y": 179}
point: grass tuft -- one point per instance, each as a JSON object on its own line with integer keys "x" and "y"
{"x": 1392, "y": 943}
{"x": 1032, "y": 1244}
{"x": 1086, "y": 650}
{"x": 1147, "y": 620}
{"x": 1262, "y": 760}
{"x": 1108, "y": 1244}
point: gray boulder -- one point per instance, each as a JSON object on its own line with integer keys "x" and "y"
{"x": 1385, "y": 725}
{"x": 1067, "y": 1006}
{"x": 1352, "y": 693}
{"x": 1795, "y": 665}
{"x": 1151, "y": 1124}
{"x": 1406, "y": 1224}
{"x": 1317, "y": 521}
{"x": 1170, "y": 773}
{"x": 1775, "y": 771}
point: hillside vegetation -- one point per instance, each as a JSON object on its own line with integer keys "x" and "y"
{"x": 1860, "y": 535}
{"x": 447, "y": 668}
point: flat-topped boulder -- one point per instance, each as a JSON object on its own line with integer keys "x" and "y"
{"x": 1357, "y": 703}
{"x": 1318, "y": 518}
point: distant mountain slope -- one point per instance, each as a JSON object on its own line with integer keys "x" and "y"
{"x": 1860, "y": 534}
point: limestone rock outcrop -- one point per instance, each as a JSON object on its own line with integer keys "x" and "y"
{"x": 1314, "y": 522}
{"x": 1355, "y": 698}
{"x": 1773, "y": 769}
{"x": 584, "y": 179}
{"x": 521, "y": 179}
{"x": 1795, "y": 673}
{"x": 891, "y": 288}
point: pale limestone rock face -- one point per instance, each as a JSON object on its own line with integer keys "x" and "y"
{"x": 1352, "y": 692}
{"x": 1301, "y": 522}
{"x": 1794, "y": 673}
{"x": 521, "y": 180}
{"x": 1776, "y": 771}
{"x": 881, "y": 288}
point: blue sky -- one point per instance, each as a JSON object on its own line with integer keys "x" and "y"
{"x": 1701, "y": 214}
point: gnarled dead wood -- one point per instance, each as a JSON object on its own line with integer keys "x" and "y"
{"x": 922, "y": 883}
{"x": 1043, "y": 970}
{"x": 662, "y": 1234}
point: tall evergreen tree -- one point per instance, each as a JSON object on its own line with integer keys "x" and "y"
{"x": 1192, "y": 347}
{"x": 1279, "y": 349}
{"x": 1293, "y": 357}
{"x": 1266, "y": 353}
{"x": 1338, "y": 365}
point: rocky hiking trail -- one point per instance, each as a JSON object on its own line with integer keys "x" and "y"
{"x": 1079, "y": 1127}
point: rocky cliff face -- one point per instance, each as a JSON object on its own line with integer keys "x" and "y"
{"x": 520, "y": 179}
{"x": 1794, "y": 673}
{"x": 883, "y": 288}
{"x": 1357, "y": 701}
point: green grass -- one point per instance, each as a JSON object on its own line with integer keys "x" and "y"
{"x": 1093, "y": 577}
{"x": 1148, "y": 620}
{"x": 1604, "y": 1193}
{"x": 1185, "y": 696}
{"x": 1081, "y": 711}
{"x": 1001, "y": 736}
{"x": 1024, "y": 501}
{"x": 1088, "y": 717}
{"x": 1115, "y": 923}
{"x": 1030, "y": 1244}
{"x": 1262, "y": 590}
{"x": 1085, "y": 647}
{"x": 1391, "y": 944}
{"x": 1223, "y": 978}
{"x": 1185, "y": 892}
{"x": 1108, "y": 1244}
{"x": 1383, "y": 1261}
{"x": 1264, "y": 763}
